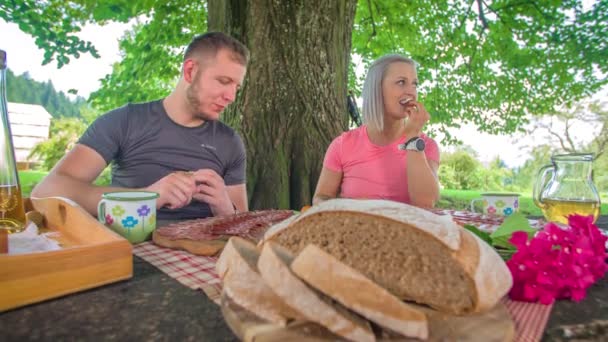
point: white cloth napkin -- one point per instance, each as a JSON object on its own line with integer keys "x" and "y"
{"x": 30, "y": 241}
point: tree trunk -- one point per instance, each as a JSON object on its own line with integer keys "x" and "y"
{"x": 293, "y": 101}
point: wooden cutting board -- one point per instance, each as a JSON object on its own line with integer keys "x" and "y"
{"x": 495, "y": 325}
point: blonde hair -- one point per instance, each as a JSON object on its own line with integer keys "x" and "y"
{"x": 373, "y": 101}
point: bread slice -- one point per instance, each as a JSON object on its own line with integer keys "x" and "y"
{"x": 274, "y": 266}
{"x": 413, "y": 253}
{"x": 237, "y": 267}
{"x": 355, "y": 291}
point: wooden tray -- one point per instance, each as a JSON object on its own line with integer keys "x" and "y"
{"x": 91, "y": 255}
{"x": 495, "y": 325}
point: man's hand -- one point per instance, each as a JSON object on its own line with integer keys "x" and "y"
{"x": 212, "y": 190}
{"x": 175, "y": 190}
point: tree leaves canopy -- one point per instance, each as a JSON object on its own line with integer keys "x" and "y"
{"x": 492, "y": 63}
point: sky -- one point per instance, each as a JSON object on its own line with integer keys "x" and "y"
{"x": 83, "y": 74}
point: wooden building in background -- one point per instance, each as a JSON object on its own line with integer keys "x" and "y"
{"x": 29, "y": 125}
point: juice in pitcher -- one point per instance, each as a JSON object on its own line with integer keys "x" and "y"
{"x": 557, "y": 210}
{"x": 566, "y": 188}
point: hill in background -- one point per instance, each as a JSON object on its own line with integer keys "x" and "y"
{"x": 23, "y": 89}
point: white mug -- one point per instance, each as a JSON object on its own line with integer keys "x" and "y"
{"x": 131, "y": 214}
{"x": 501, "y": 204}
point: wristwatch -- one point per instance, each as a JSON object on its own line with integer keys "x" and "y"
{"x": 415, "y": 144}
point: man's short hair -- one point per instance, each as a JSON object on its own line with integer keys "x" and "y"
{"x": 373, "y": 101}
{"x": 210, "y": 43}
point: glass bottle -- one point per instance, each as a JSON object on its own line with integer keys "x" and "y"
{"x": 12, "y": 215}
{"x": 569, "y": 190}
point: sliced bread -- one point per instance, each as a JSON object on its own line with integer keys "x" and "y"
{"x": 358, "y": 293}
{"x": 413, "y": 253}
{"x": 274, "y": 266}
{"x": 237, "y": 267}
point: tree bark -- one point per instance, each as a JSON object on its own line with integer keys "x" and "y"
{"x": 293, "y": 101}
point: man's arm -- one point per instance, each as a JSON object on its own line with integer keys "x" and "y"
{"x": 73, "y": 176}
{"x": 238, "y": 196}
{"x": 327, "y": 186}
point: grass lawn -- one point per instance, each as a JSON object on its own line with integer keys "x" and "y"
{"x": 461, "y": 199}
{"x": 450, "y": 199}
{"x": 28, "y": 179}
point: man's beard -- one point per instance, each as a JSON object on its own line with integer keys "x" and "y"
{"x": 194, "y": 102}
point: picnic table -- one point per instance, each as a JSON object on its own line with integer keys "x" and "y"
{"x": 153, "y": 305}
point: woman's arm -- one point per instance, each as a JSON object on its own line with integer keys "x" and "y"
{"x": 422, "y": 184}
{"x": 328, "y": 185}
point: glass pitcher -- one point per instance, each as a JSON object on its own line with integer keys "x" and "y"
{"x": 570, "y": 190}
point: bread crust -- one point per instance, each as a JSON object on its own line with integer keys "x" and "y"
{"x": 274, "y": 266}
{"x": 358, "y": 293}
{"x": 237, "y": 267}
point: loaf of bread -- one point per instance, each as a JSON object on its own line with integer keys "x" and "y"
{"x": 237, "y": 267}
{"x": 355, "y": 291}
{"x": 274, "y": 265}
{"x": 413, "y": 253}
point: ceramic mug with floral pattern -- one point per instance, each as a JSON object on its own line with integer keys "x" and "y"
{"x": 501, "y": 204}
{"x": 131, "y": 214}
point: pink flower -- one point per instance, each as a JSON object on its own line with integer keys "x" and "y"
{"x": 557, "y": 263}
{"x": 109, "y": 219}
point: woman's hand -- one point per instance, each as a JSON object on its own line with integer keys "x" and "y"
{"x": 417, "y": 115}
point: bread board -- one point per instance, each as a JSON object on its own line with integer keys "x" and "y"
{"x": 91, "y": 255}
{"x": 495, "y": 325}
{"x": 203, "y": 247}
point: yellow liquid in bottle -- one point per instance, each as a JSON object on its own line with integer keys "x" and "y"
{"x": 558, "y": 210}
{"x": 12, "y": 214}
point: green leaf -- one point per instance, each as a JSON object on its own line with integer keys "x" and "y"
{"x": 513, "y": 223}
{"x": 482, "y": 235}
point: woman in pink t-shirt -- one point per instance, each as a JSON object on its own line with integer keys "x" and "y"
{"x": 388, "y": 157}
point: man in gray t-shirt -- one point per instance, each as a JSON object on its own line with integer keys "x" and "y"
{"x": 150, "y": 145}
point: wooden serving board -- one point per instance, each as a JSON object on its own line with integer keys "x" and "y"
{"x": 91, "y": 255}
{"x": 495, "y": 325}
{"x": 200, "y": 247}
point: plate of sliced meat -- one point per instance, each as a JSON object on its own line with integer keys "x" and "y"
{"x": 209, "y": 235}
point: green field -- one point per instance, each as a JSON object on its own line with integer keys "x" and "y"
{"x": 461, "y": 199}
{"x": 450, "y": 199}
{"x": 28, "y": 179}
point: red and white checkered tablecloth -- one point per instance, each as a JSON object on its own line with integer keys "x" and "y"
{"x": 193, "y": 271}
{"x": 198, "y": 272}
{"x": 482, "y": 222}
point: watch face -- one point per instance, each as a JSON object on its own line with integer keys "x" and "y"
{"x": 420, "y": 145}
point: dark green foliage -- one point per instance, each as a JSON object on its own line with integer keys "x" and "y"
{"x": 23, "y": 89}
